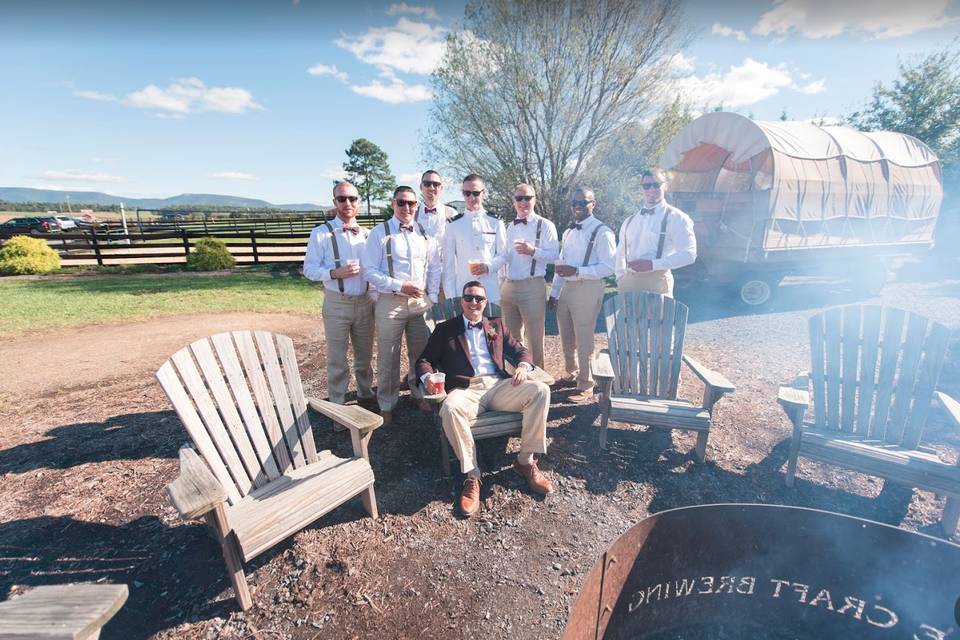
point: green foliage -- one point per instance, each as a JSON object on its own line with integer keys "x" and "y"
{"x": 23, "y": 255}
{"x": 924, "y": 102}
{"x": 369, "y": 171}
{"x": 209, "y": 254}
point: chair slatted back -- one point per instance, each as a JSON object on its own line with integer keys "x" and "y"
{"x": 240, "y": 398}
{"x": 450, "y": 308}
{"x": 874, "y": 370}
{"x": 645, "y": 338}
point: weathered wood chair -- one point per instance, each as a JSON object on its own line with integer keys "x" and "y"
{"x": 874, "y": 374}
{"x": 639, "y": 371}
{"x": 260, "y": 478}
{"x": 489, "y": 424}
{"x": 61, "y": 612}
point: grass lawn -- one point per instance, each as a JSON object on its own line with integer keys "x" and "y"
{"x": 29, "y": 305}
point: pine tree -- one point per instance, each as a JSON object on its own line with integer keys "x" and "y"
{"x": 367, "y": 168}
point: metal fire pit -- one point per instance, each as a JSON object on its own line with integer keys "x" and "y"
{"x": 763, "y": 571}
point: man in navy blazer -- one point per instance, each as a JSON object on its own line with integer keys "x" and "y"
{"x": 472, "y": 351}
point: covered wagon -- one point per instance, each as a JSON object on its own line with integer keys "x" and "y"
{"x": 772, "y": 199}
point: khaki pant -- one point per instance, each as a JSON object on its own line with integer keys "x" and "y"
{"x": 486, "y": 393}
{"x": 348, "y": 319}
{"x": 652, "y": 281}
{"x": 524, "y": 305}
{"x": 577, "y": 311}
{"x": 397, "y": 315}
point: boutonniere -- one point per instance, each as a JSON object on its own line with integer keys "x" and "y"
{"x": 492, "y": 332}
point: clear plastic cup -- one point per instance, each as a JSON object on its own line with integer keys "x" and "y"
{"x": 435, "y": 383}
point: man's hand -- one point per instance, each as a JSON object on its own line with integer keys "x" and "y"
{"x": 552, "y": 304}
{"x": 411, "y": 289}
{"x": 565, "y": 270}
{"x": 520, "y": 375}
{"x": 641, "y": 265}
{"x": 346, "y": 271}
{"x": 524, "y": 248}
{"x": 478, "y": 269}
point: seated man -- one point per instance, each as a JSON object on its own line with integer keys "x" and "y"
{"x": 471, "y": 350}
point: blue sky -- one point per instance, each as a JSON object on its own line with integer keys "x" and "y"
{"x": 260, "y": 98}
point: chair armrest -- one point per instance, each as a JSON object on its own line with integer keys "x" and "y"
{"x": 713, "y": 379}
{"x": 950, "y": 406}
{"x": 601, "y": 367}
{"x": 353, "y": 417}
{"x": 61, "y": 611}
{"x": 196, "y": 491}
{"x": 801, "y": 381}
{"x": 791, "y": 398}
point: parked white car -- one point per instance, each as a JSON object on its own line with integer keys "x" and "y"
{"x": 66, "y": 223}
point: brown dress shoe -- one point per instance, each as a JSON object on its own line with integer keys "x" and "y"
{"x": 470, "y": 496}
{"x": 387, "y": 418}
{"x": 581, "y": 396}
{"x": 535, "y": 479}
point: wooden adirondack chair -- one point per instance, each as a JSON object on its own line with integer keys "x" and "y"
{"x": 261, "y": 478}
{"x": 489, "y": 424}
{"x": 874, "y": 374}
{"x": 61, "y": 612}
{"x": 639, "y": 371}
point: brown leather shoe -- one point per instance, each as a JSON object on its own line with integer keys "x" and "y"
{"x": 470, "y": 496}
{"x": 535, "y": 478}
{"x": 581, "y": 397}
{"x": 387, "y": 418}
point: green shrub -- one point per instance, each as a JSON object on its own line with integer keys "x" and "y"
{"x": 23, "y": 255}
{"x": 209, "y": 254}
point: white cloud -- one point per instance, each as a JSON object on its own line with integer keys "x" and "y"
{"x": 234, "y": 175}
{"x": 396, "y": 92}
{"x": 728, "y": 32}
{"x": 95, "y": 95}
{"x": 409, "y": 47}
{"x": 680, "y": 65}
{"x": 190, "y": 95}
{"x": 74, "y": 175}
{"x": 742, "y": 85}
{"x": 410, "y": 179}
{"x": 426, "y": 12}
{"x": 332, "y": 173}
{"x": 829, "y": 18}
{"x": 813, "y": 88}
{"x": 328, "y": 70}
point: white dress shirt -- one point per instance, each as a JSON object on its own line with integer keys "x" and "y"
{"x": 415, "y": 258}
{"x": 479, "y": 352}
{"x": 642, "y": 235}
{"x": 318, "y": 263}
{"x": 474, "y": 236}
{"x": 517, "y": 264}
{"x": 575, "y": 242}
{"x": 435, "y": 223}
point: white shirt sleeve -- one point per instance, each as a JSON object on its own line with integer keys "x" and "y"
{"x": 449, "y": 256}
{"x": 433, "y": 270}
{"x": 316, "y": 265}
{"x": 620, "y": 259}
{"x": 370, "y": 263}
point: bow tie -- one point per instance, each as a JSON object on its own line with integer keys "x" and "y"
{"x": 353, "y": 230}
{"x": 407, "y": 227}
{"x": 647, "y": 212}
{"x": 434, "y": 210}
{"x": 474, "y": 325}
{"x": 519, "y": 221}
{"x": 574, "y": 225}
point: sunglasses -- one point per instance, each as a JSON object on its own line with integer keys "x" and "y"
{"x": 342, "y": 199}
{"x": 580, "y": 203}
{"x": 650, "y": 185}
{"x": 430, "y": 183}
{"x": 469, "y": 297}
{"x": 406, "y": 203}
{"x": 475, "y": 194}
{"x": 524, "y": 198}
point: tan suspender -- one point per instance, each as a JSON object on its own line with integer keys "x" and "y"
{"x": 336, "y": 252}
{"x": 536, "y": 243}
{"x": 660, "y": 242}
{"x": 593, "y": 237}
{"x": 389, "y": 248}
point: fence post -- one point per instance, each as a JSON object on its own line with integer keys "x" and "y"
{"x": 96, "y": 245}
{"x": 205, "y": 231}
{"x": 253, "y": 245}
{"x": 185, "y": 236}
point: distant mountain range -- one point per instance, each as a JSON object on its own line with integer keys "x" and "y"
{"x": 78, "y": 198}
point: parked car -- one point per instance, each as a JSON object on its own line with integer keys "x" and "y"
{"x": 32, "y": 225}
{"x": 65, "y": 223}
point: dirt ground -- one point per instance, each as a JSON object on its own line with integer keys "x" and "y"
{"x": 89, "y": 441}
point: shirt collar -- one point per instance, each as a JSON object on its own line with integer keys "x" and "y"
{"x": 466, "y": 322}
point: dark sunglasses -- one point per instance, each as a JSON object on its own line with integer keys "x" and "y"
{"x": 475, "y": 194}
{"x": 430, "y": 183}
{"x": 651, "y": 185}
{"x": 342, "y": 199}
{"x": 524, "y": 198}
{"x": 469, "y": 297}
{"x": 406, "y": 203}
{"x": 580, "y": 203}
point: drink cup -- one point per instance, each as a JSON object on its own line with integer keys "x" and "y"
{"x": 472, "y": 265}
{"x": 435, "y": 382}
{"x": 518, "y": 244}
{"x": 354, "y": 261}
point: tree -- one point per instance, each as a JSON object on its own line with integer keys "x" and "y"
{"x": 529, "y": 90}
{"x": 924, "y": 102}
{"x": 367, "y": 168}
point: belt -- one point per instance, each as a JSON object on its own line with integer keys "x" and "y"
{"x": 344, "y": 296}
